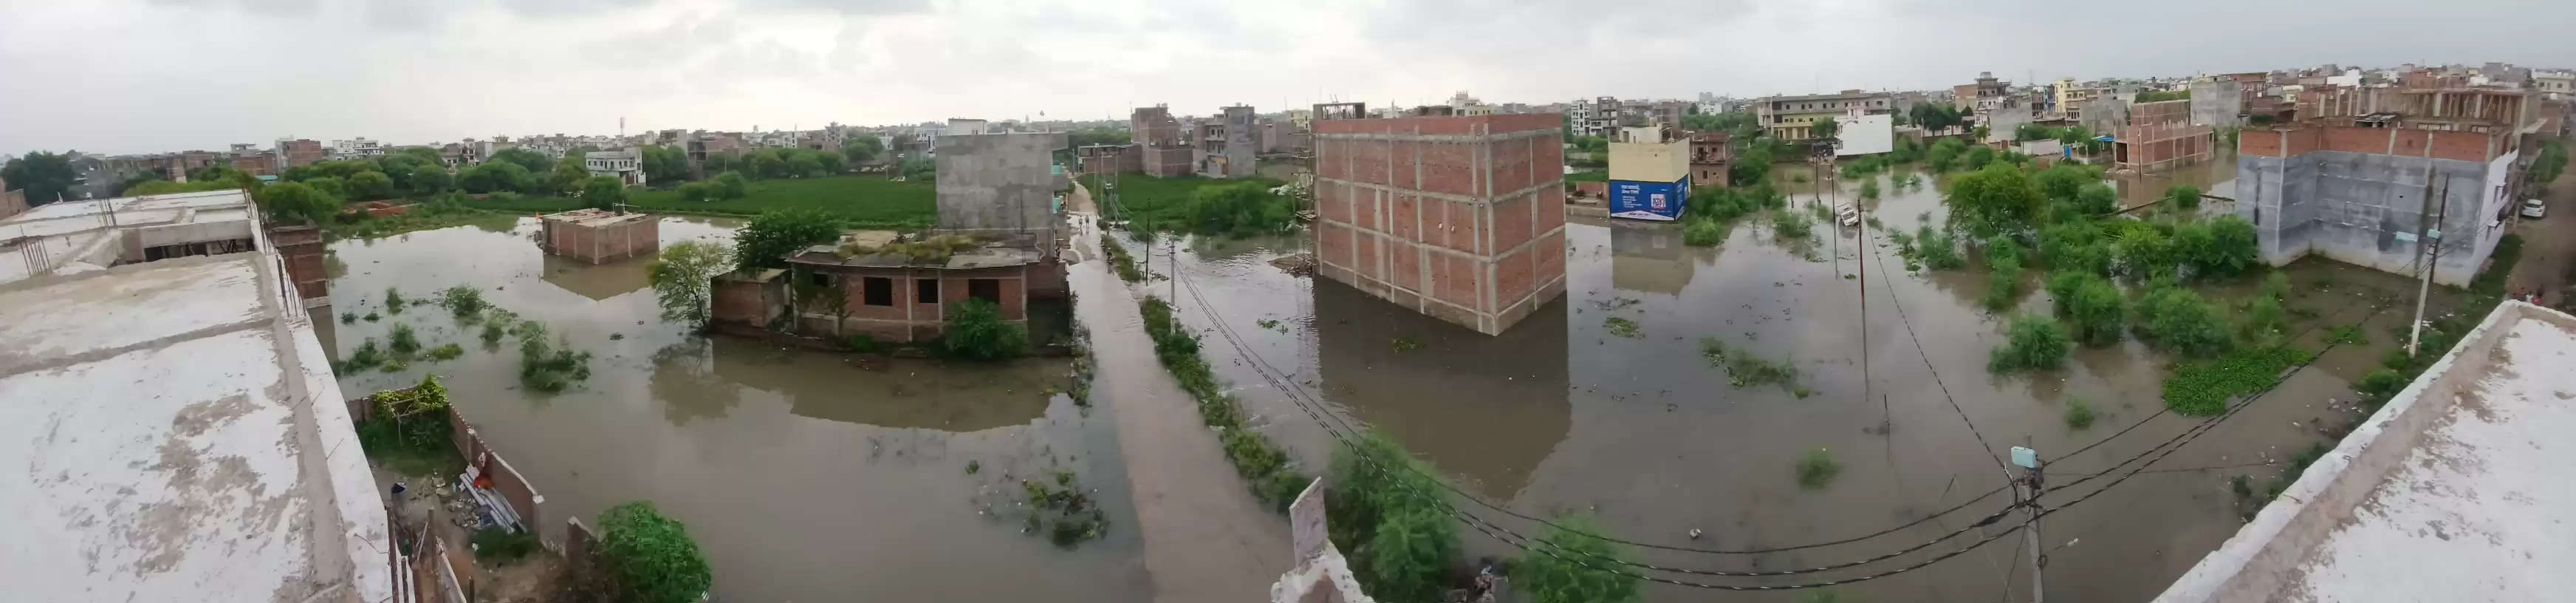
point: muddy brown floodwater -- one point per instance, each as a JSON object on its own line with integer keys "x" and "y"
{"x": 804, "y": 476}
{"x": 1560, "y": 415}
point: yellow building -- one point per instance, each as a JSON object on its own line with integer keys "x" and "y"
{"x": 1794, "y": 117}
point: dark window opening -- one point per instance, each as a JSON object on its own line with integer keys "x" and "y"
{"x": 925, "y": 291}
{"x": 985, "y": 289}
{"x": 877, "y": 291}
{"x": 818, "y": 279}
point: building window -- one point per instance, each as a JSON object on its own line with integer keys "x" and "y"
{"x": 986, "y": 289}
{"x": 818, "y": 279}
{"x": 925, "y": 291}
{"x": 877, "y": 291}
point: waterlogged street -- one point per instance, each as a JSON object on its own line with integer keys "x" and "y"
{"x": 805, "y": 476}
{"x": 1603, "y": 404}
{"x": 821, "y": 476}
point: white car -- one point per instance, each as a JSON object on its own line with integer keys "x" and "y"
{"x": 2533, "y": 208}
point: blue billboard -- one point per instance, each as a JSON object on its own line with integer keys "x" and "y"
{"x": 1659, "y": 201}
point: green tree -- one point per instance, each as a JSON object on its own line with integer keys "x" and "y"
{"x": 429, "y": 179}
{"x": 1752, "y": 165}
{"x": 692, "y": 192}
{"x": 716, "y": 163}
{"x": 731, "y": 185}
{"x": 1825, "y": 129}
{"x": 494, "y": 176}
{"x": 1557, "y": 578}
{"x": 330, "y": 185}
{"x": 865, "y": 147}
{"x": 778, "y": 233}
{"x": 767, "y": 164}
{"x": 833, "y": 162}
{"x": 663, "y": 164}
{"x": 370, "y": 185}
{"x": 651, "y": 556}
{"x": 46, "y": 177}
{"x": 683, "y": 276}
{"x": 2092, "y": 304}
{"x": 1246, "y": 208}
{"x": 2062, "y": 181}
{"x": 531, "y": 161}
{"x": 603, "y": 192}
{"x": 1944, "y": 154}
{"x": 2183, "y": 196}
{"x": 2144, "y": 251}
{"x": 1384, "y": 511}
{"x": 297, "y": 201}
{"x": 2177, "y": 319}
{"x": 977, "y": 331}
{"x": 2034, "y": 342}
{"x": 2546, "y": 165}
{"x": 1993, "y": 198}
{"x": 567, "y": 175}
{"x": 2075, "y": 246}
{"x": 804, "y": 165}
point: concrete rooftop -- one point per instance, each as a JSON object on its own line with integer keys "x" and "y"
{"x": 177, "y": 435}
{"x": 2459, "y": 489}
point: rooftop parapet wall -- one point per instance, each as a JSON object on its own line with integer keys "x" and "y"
{"x": 2402, "y": 142}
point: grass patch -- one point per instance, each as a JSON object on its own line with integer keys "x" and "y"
{"x": 1262, "y": 464}
{"x": 405, "y": 342}
{"x": 1059, "y": 508}
{"x": 2347, "y": 334}
{"x": 2201, "y": 388}
{"x": 1745, "y": 369}
{"x": 445, "y": 352}
{"x": 548, "y": 368}
{"x": 502, "y": 545}
{"x": 1817, "y": 468}
{"x": 443, "y": 212}
{"x": 2079, "y": 415}
{"x": 1152, "y": 203}
{"x": 1621, "y": 327}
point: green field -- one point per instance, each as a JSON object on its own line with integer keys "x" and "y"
{"x": 1162, "y": 200}
{"x": 866, "y": 201}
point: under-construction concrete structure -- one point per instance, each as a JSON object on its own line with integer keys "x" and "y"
{"x": 1458, "y": 217}
{"x": 600, "y": 236}
{"x": 1160, "y": 148}
{"x": 2384, "y": 170}
{"x": 1226, "y": 144}
{"x": 1001, "y": 182}
{"x": 2159, "y": 135}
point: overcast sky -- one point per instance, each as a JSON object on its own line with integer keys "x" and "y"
{"x": 123, "y": 76}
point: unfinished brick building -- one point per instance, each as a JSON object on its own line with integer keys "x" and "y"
{"x": 1458, "y": 217}
{"x": 2161, "y": 135}
{"x": 600, "y": 236}
{"x": 1709, "y": 159}
{"x": 1161, "y": 150}
{"x": 2379, "y": 170}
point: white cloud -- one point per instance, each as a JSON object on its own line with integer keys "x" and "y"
{"x": 151, "y": 75}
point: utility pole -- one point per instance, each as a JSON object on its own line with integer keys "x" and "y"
{"x": 2432, "y": 237}
{"x": 2029, "y": 461}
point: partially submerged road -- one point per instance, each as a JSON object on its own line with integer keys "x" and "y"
{"x": 1206, "y": 538}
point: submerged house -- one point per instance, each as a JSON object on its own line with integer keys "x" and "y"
{"x": 998, "y": 240}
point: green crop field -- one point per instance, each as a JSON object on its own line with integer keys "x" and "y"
{"x": 865, "y": 200}
{"x": 1151, "y": 199}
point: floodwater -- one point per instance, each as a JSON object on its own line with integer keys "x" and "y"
{"x": 1560, "y": 415}
{"x": 805, "y": 476}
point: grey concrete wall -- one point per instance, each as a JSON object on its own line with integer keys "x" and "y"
{"x": 1242, "y": 141}
{"x": 2351, "y": 206}
{"x": 2217, "y": 103}
{"x": 998, "y": 181}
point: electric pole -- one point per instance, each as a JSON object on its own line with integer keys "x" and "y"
{"x": 2432, "y": 238}
{"x": 2029, "y": 461}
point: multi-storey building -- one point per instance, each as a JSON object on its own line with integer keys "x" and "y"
{"x": 1458, "y": 217}
{"x": 1794, "y": 117}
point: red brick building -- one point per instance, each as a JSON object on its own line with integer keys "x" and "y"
{"x": 1709, "y": 159}
{"x": 600, "y": 236}
{"x": 1458, "y": 217}
{"x": 897, "y": 296}
{"x": 301, "y": 152}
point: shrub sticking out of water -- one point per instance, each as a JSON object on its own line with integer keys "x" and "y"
{"x": 393, "y": 301}
{"x": 464, "y": 301}
{"x": 405, "y": 342}
{"x": 973, "y": 466}
{"x": 367, "y": 356}
{"x": 1744, "y": 369}
{"x": 2079, "y": 415}
{"x": 548, "y": 368}
{"x": 2035, "y": 343}
{"x": 1403, "y": 344}
{"x": 1817, "y": 468}
{"x": 372, "y": 317}
{"x": 1621, "y": 327}
{"x": 1936, "y": 250}
{"x": 1702, "y": 231}
{"x": 1791, "y": 225}
{"x": 348, "y": 318}
{"x": 1070, "y": 516}
{"x": 446, "y": 352}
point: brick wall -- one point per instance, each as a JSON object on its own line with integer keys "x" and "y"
{"x": 908, "y": 317}
{"x": 747, "y": 302}
{"x": 1444, "y": 214}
